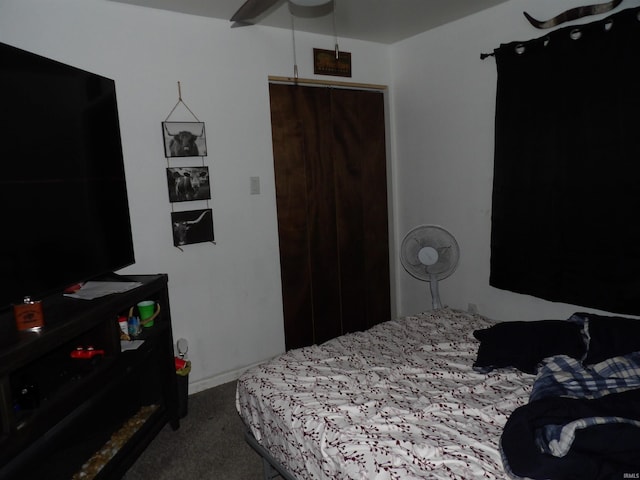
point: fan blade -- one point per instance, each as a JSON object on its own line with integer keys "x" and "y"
{"x": 252, "y": 9}
{"x": 411, "y": 249}
{"x": 444, "y": 262}
{"x": 241, "y": 24}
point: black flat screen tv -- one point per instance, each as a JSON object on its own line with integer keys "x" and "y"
{"x": 63, "y": 196}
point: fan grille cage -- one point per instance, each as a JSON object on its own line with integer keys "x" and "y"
{"x": 436, "y": 237}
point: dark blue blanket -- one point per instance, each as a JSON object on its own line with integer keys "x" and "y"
{"x": 602, "y": 451}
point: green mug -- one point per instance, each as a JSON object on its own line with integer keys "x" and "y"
{"x": 147, "y": 309}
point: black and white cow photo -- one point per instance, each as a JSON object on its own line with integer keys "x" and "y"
{"x": 194, "y": 226}
{"x": 188, "y": 183}
{"x": 184, "y": 139}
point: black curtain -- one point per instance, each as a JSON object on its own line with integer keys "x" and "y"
{"x": 566, "y": 191}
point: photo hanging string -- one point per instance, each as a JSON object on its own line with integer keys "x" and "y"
{"x": 185, "y": 139}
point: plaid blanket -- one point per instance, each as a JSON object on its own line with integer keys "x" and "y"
{"x": 563, "y": 376}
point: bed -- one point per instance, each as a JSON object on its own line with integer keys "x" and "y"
{"x": 424, "y": 396}
{"x": 399, "y": 401}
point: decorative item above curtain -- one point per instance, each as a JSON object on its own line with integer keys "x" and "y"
{"x": 566, "y": 191}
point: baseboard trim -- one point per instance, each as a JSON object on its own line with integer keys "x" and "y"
{"x": 214, "y": 381}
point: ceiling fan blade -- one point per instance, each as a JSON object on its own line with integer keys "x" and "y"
{"x": 241, "y": 24}
{"x": 252, "y": 9}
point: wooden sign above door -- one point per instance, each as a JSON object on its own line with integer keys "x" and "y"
{"x": 326, "y": 63}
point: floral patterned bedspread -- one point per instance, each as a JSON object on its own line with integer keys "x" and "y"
{"x": 399, "y": 401}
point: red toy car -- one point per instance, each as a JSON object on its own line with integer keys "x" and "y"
{"x": 86, "y": 353}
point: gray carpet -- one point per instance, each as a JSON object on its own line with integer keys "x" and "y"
{"x": 208, "y": 445}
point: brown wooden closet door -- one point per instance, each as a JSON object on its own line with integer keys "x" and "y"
{"x": 327, "y": 159}
{"x": 361, "y": 207}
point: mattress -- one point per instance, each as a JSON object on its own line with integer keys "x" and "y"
{"x": 398, "y": 401}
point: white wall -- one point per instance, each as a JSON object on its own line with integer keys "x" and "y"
{"x": 225, "y": 298}
{"x": 444, "y": 107}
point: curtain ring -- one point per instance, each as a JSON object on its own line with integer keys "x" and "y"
{"x": 520, "y": 48}
{"x": 575, "y": 34}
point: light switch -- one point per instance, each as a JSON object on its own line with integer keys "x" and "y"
{"x": 255, "y": 185}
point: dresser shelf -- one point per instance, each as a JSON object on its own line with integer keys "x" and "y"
{"x": 57, "y": 413}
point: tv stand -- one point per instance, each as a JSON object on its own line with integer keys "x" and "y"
{"x": 115, "y": 277}
{"x": 68, "y": 417}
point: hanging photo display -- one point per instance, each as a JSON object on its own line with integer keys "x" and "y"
{"x": 193, "y": 226}
{"x": 188, "y": 183}
{"x": 184, "y": 139}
